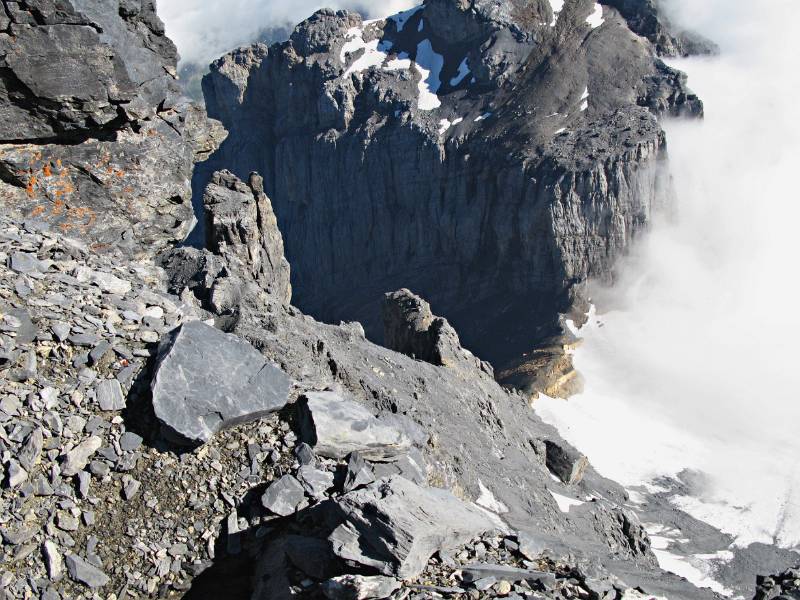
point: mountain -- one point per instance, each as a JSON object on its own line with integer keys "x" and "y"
{"x": 172, "y": 424}
{"x": 496, "y": 146}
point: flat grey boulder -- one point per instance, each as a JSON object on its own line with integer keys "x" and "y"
{"x": 395, "y": 526}
{"x": 359, "y": 587}
{"x": 84, "y": 572}
{"x": 207, "y": 380}
{"x": 336, "y": 426}
{"x": 285, "y": 497}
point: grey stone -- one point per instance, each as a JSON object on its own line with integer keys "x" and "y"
{"x": 284, "y": 496}
{"x": 358, "y": 473}
{"x": 105, "y": 281}
{"x": 79, "y": 457}
{"x": 315, "y": 481}
{"x": 207, "y": 380}
{"x": 109, "y": 395}
{"x": 15, "y": 474}
{"x": 53, "y": 560}
{"x": 130, "y": 487}
{"x": 395, "y": 526}
{"x": 336, "y": 426}
{"x": 61, "y": 330}
{"x": 31, "y": 452}
{"x": 359, "y": 587}
{"x": 17, "y": 534}
{"x": 24, "y": 262}
{"x": 530, "y": 546}
{"x": 84, "y": 572}
{"x": 130, "y": 441}
{"x": 477, "y": 572}
{"x": 565, "y": 462}
{"x": 305, "y": 454}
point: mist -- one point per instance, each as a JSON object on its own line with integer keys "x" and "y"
{"x": 691, "y": 360}
{"x": 204, "y": 31}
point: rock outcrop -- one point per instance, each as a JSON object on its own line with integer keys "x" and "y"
{"x": 497, "y": 154}
{"x": 95, "y": 137}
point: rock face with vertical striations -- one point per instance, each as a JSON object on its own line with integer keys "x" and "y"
{"x": 495, "y": 154}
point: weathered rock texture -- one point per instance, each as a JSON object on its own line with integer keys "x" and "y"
{"x": 496, "y": 154}
{"x": 94, "y": 135}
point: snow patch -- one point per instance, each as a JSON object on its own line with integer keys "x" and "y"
{"x": 596, "y": 19}
{"x": 402, "y": 18}
{"x": 483, "y": 117}
{"x": 585, "y": 99}
{"x": 557, "y": 6}
{"x": 429, "y": 65}
{"x": 463, "y": 71}
{"x": 488, "y": 501}
{"x": 401, "y": 62}
{"x": 564, "y": 502}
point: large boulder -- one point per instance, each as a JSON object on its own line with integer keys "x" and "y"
{"x": 336, "y": 426}
{"x": 207, "y": 380}
{"x": 395, "y": 526}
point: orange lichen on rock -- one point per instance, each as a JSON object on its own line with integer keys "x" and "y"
{"x": 37, "y": 211}
{"x": 48, "y": 172}
{"x": 30, "y": 189}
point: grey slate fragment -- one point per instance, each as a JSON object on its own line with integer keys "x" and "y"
{"x": 79, "y": 456}
{"x": 359, "y": 473}
{"x": 207, "y": 380}
{"x": 566, "y": 463}
{"x": 477, "y": 572}
{"x": 84, "y": 572}
{"x": 315, "y": 481}
{"x": 31, "y": 452}
{"x": 130, "y": 441}
{"x": 395, "y": 526}
{"x": 336, "y": 426}
{"x": 284, "y": 497}
{"x": 16, "y": 475}
{"x": 109, "y": 395}
{"x": 53, "y": 560}
{"x": 305, "y": 454}
{"x": 359, "y": 587}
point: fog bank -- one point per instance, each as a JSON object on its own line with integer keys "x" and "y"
{"x": 695, "y": 365}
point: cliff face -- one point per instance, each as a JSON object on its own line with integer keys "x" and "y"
{"x": 94, "y": 137}
{"x": 487, "y": 155}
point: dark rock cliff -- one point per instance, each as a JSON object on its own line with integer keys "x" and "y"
{"x": 487, "y": 155}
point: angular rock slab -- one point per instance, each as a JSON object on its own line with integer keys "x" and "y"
{"x": 359, "y": 587}
{"x": 207, "y": 380}
{"x": 395, "y": 526}
{"x": 335, "y": 427}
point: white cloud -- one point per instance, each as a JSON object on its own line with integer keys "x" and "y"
{"x": 203, "y": 30}
{"x": 698, "y": 366}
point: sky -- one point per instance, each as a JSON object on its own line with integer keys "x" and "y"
{"x": 203, "y": 31}
{"x": 693, "y": 360}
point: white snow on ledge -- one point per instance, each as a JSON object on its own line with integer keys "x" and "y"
{"x": 429, "y": 65}
{"x": 488, "y": 501}
{"x": 402, "y": 18}
{"x": 557, "y": 6}
{"x": 596, "y": 19}
{"x": 564, "y": 502}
